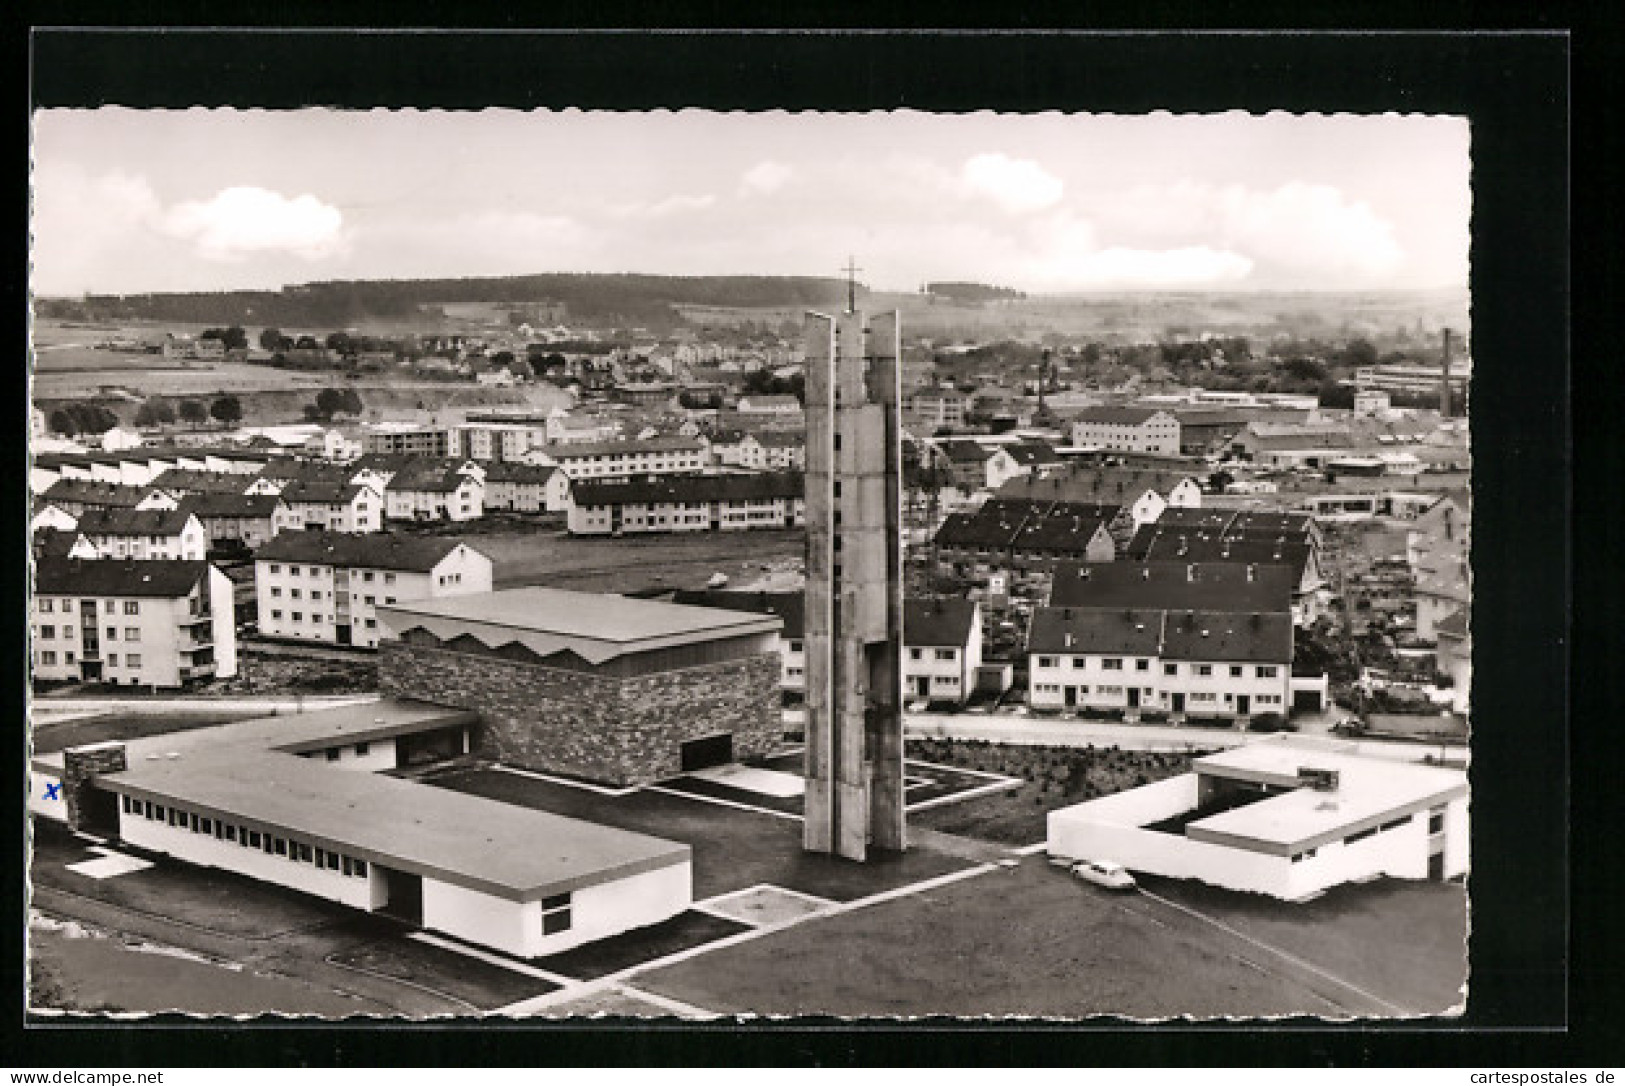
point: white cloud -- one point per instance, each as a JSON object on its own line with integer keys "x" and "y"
{"x": 765, "y": 177}
{"x": 658, "y": 209}
{"x": 1015, "y": 184}
{"x": 1306, "y": 229}
{"x": 245, "y": 220}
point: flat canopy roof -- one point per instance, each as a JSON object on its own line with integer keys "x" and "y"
{"x": 595, "y": 626}
{"x": 497, "y": 848}
{"x": 1369, "y": 791}
{"x": 250, "y": 771}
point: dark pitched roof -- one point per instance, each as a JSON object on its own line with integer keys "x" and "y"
{"x": 662, "y": 443}
{"x": 1095, "y": 630}
{"x": 1085, "y": 484}
{"x": 108, "y": 521}
{"x": 1032, "y": 453}
{"x": 250, "y": 506}
{"x": 967, "y": 530}
{"x": 1061, "y": 526}
{"x": 191, "y": 481}
{"x": 944, "y": 623}
{"x": 307, "y": 471}
{"x": 428, "y": 477}
{"x": 1213, "y": 586}
{"x": 1227, "y": 636}
{"x": 1452, "y": 625}
{"x": 83, "y": 492}
{"x": 511, "y": 471}
{"x": 965, "y": 452}
{"x": 55, "y": 542}
{"x": 791, "y": 607}
{"x": 763, "y": 486}
{"x": 324, "y": 492}
{"x": 1150, "y": 546}
{"x": 116, "y": 577}
{"x": 378, "y": 550}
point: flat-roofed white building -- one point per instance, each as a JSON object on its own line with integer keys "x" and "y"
{"x": 1127, "y": 429}
{"x": 297, "y": 801}
{"x": 1283, "y": 816}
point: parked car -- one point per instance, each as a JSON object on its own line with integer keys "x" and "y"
{"x": 1104, "y": 873}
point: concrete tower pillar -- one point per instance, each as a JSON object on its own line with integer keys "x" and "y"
{"x": 854, "y": 616}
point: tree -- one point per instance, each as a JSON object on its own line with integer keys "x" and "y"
{"x": 1337, "y": 395}
{"x": 62, "y": 423}
{"x": 194, "y": 412}
{"x": 155, "y": 412}
{"x": 352, "y": 402}
{"x": 329, "y": 402}
{"x": 340, "y": 342}
{"x": 227, "y": 410}
{"x": 271, "y": 339}
{"x": 235, "y": 338}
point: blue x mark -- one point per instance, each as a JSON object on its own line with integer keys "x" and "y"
{"x": 53, "y": 791}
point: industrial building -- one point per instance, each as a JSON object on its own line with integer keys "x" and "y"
{"x": 1283, "y": 816}
{"x": 606, "y": 688}
{"x": 303, "y": 802}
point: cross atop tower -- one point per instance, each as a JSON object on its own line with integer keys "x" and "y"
{"x": 851, "y": 270}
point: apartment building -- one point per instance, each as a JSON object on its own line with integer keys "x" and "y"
{"x": 1127, "y": 429}
{"x": 326, "y": 586}
{"x": 431, "y": 492}
{"x": 335, "y": 506}
{"x": 621, "y": 459}
{"x": 687, "y": 503}
{"x": 148, "y": 534}
{"x": 163, "y": 623}
{"x": 525, "y": 488}
{"x": 1183, "y": 663}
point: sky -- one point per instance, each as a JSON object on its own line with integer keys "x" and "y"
{"x": 129, "y": 201}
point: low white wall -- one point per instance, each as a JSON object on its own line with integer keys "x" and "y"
{"x": 1109, "y": 829}
{"x": 1457, "y": 838}
{"x": 513, "y": 927}
{"x": 39, "y": 796}
{"x": 634, "y": 902}
{"x": 381, "y": 755}
{"x": 209, "y": 851}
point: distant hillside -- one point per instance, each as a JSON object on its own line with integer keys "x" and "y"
{"x": 637, "y": 299}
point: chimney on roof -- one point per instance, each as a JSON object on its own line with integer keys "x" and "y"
{"x": 1068, "y": 643}
{"x": 1190, "y": 572}
{"x": 1249, "y": 572}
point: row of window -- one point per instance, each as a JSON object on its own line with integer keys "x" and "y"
{"x": 940, "y": 654}
{"x": 47, "y": 658}
{"x": 221, "y": 830}
{"x": 315, "y": 596}
{"x": 48, "y": 633}
{"x": 45, "y": 606}
{"x": 322, "y": 571}
{"x": 299, "y": 616}
{"x": 1109, "y": 663}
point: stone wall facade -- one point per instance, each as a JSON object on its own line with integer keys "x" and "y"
{"x": 617, "y": 731}
{"x": 80, "y": 765}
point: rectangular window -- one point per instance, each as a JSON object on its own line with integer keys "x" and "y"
{"x": 48, "y": 633}
{"x": 131, "y": 607}
{"x": 947, "y": 654}
{"x": 1436, "y": 822}
{"x": 1170, "y": 669}
{"x": 129, "y": 805}
{"x": 1266, "y": 672}
{"x": 315, "y": 595}
{"x": 207, "y": 826}
{"x": 1396, "y": 823}
{"x": 47, "y": 658}
{"x": 1142, "y": 665}
{"x": 280, "y": 846}
{"x": 333, "y": 754}
{"x": 276, "y": 593}
{"x": 276, "y": 568}
{"x": 158, "y": 813}
{"x": 1046, "y": 661}
{"x": 276, "y": 614}
{"x": 1204, "y": 670}
{"x": 293, "y": 571}
{"x": 301, "y": 852}
{"x": 1235, "y": 671}
{"x": 1360, "y": 836}
{"x": 253, "y": 838}
{"x": 112, "y": 659}
{"x": 294, "y": 593}
{"x": 112, "y": 633}
{"x": 359, "y": 869}
{"x": 362, "y": 748}
{"x": 132, "y": 633}
{"x": 1111, "y": 664}
{"x": 231, "y": 832}
{"x": 389, "y": 578}
{"x": 67, "y": 657}
{"x": 45, "y": 606}
{"x": 555, "y": 914}
{"x": 332, "y": 861}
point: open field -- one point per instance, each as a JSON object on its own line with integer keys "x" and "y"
{"x": 526, "y": 555}
{"x": 1076, "y": 951}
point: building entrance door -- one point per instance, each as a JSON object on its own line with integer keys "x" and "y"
{"x": 707, "y": 751}
{"x": 405, "y": 900}
{"x": 1244, "y": 704}
{"x": 1071, "y": 697}
{"x": 922, "y": 686}
{"x": 1133, "y": 697}
{"x": 1179, "y": 703}
{"x": 1436, "y": 867}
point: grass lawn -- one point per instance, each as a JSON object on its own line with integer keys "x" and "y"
{"x": 685, "y": 930}
{"x": 1403, "y": 940}
{"x": 733, "y": 849}
{"x": 1053, "y": 777}
{"x": 1023, "y": 941}
{"x": 537, "y": 555}
{"x": 95, "y": 974}
{"x": 481, "y": 983}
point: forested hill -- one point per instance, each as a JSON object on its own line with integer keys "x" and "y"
{"x": 634, "y": 298}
